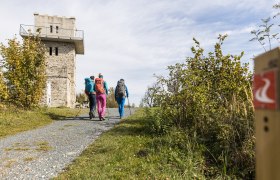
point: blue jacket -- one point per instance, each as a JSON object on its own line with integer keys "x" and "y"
{"x": 89, "y": 85}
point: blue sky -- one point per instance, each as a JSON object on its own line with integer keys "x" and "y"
{"x": 136, "y": 39}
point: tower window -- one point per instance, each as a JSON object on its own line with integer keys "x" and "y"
{"x": 56, "y": 29}
{"x": 56, "y": 51}
{"x": 51, "y": 28}
{"x": 50, "y": 51}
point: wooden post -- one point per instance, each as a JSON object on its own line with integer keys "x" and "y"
{"x": 267, "y": 115}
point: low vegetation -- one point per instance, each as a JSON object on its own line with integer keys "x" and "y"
{"x": 209, "y": 99}
{"x": 131, "y": 151}
{"x": 14, "y": 120}
{"x": 43, "y": 146}
{"x": 200, "y": 127}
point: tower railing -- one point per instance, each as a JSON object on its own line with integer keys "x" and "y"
{"x": 48, "y": 32}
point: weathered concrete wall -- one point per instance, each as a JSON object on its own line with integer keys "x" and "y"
{"x": 61, "y": 72}
{"x": 57, "y": 33}
{"x": 55, "y": 25}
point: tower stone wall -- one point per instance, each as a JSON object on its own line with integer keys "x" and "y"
{"x": 62, "y": 42}
{"x": 60, "y": 71}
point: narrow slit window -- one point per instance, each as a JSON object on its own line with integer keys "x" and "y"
{"x": 56, "y": 29}
{"x": 51, "y": 29}
{"x": 56, "y": 51}
{"x": 50, "y": 51}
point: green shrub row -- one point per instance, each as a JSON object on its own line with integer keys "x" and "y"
{"x": 209, "y": 98}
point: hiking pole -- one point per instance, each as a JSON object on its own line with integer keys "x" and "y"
{"x": 108, "y": 113}
{"x": 129, "y": 106}
{"x": 78, "y": 112}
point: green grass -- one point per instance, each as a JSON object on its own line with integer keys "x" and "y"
{"x": 28, "y": 159}
{"x": 14, "y": 120}
{"x": 43, "y": 146}
{"x": 10, "y": 163}
{"x": 130, "y": 151}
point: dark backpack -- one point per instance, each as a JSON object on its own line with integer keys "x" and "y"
{"x": 99, "y": 86}
{"x": 120, "y": 89}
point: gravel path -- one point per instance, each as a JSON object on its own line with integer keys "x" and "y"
{"x": 43, "y": 153}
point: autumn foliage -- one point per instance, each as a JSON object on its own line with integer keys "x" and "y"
{"x": 22, "y": 77}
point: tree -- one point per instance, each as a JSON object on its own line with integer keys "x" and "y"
{"x": 264, "y": 35}
{"x": 81, "y": 97}
{"x": 276, "y": 6}
{"x": 151, "y": 97}
{"x": 130, "y": 105}
{"x": 141, "y": 104}
{"x": 24, "y": 73}
{"x": 111, "y": 102}
{"x": 3, "y": 89}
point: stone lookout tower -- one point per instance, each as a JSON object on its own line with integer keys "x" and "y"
{"x": 63, "y": 41}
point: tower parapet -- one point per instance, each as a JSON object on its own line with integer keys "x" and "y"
{"x": 55, "y": 28}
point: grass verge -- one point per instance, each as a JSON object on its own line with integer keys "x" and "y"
{"x": 14, "y": 120}
{"x": 130, "y": 151}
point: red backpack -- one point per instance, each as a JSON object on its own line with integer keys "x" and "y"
{"x": 99, "y": 86}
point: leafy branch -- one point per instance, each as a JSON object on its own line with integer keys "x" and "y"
{"x": 264, "y": 33}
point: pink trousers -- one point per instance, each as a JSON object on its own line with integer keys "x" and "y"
{"x": 101, "y": 104}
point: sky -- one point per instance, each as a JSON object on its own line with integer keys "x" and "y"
{"x": 135, "y": 40}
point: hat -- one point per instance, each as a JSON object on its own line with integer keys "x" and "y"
{"x": 100, "y": 75}
{"x": 92, "y": 77}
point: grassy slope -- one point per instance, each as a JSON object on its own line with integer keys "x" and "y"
{"x": 13, "y": 120}
{"x": 129, "y": 151}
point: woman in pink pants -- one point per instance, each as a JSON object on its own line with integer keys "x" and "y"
{"x": 101, "y": 90}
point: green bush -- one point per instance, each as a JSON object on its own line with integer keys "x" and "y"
{"x": 211, "y": 97}
{"x": 24, "y": 77}
{"x": 3, "y": 89}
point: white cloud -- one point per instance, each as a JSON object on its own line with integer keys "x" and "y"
{"x": 135, "y": 39}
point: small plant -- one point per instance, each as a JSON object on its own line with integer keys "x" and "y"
{"x": 19, "y": 147}
{"x": 10, "y": 163}
{"x": 68, "y": 125}
{"x": 28, "y": 159}
{"x": 43, "y": 146}
{"x": 264, "y": 34}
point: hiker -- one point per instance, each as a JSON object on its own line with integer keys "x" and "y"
{"x": 101, "y": 90}
{"x": 121, "y": 93}
{"x": 89, "y": 90}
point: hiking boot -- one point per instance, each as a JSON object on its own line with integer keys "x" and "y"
{"x": 93, "y": 114}
{"x": 90, "y": 115}
{"x": 102, "y": 118}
